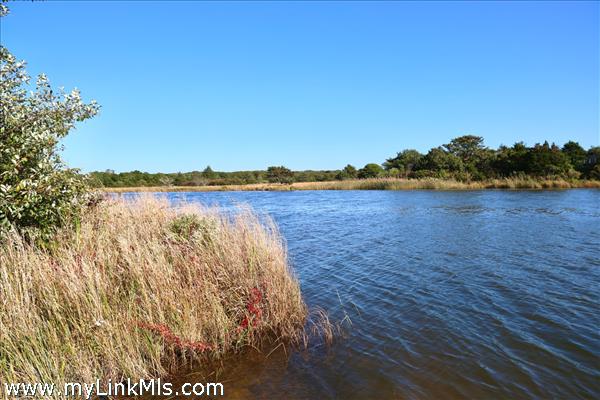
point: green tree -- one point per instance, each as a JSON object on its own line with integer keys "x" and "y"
{"x": 511, "y": 160}
{"x": 37, "y": 191}
{"x": 576, "y": 154}
{"x": 547, "y": 160}
{"x": 467, "y": 147}
{"x": 371, "y": 170}
{"x": 591, "y": 166}
{"x": 594, "y": 172}
{"x": 208, "y": 173}
{"x": 349, "y": 172}
{"x": 475, "y": 157}
{"x": 405, "y": 161}
{"x": 394, "y": 173}
{"x": 438, "y": 162}
{"x": 280, "y": 174}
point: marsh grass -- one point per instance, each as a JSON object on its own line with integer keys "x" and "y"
{"x": 381, "y": 184}
{"x": 142, "y": 289}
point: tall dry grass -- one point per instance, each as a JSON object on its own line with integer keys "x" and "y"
{"x": 382, "y": 184}
{"x": 140, "y": 289}
{"x": 447, "y": 184}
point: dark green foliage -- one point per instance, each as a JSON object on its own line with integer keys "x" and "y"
{"x": 576, "y": 154}
{"x": 475, "y": 157}
{"x": 371, "y": 170}
{"x": 594, "y": 172}
{"x": 465, "y": 158}
{"x": 545, "y": 160}
{"x": 280, "y": 174}
{"x": 591, "y": 165}
{"x": 468, "y": 148}
{"x": 349, "y": 172}
{"x": 196, "y": 178}
{"x": 510, "y": 161}
{"x": 439, "y": 163}
{"x": 208, "y": 173}
{"x": 404, "y": 162}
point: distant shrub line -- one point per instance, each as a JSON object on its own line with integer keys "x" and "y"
{"x": 464, "y": 159}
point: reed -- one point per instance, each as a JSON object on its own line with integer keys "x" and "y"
{"x": 381, "y": 184}
{"x": 141, "y": 289}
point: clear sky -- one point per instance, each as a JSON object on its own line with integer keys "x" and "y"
{"x": 311, "y": 85}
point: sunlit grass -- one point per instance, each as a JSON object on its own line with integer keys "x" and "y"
{"x": 142, "y": 288}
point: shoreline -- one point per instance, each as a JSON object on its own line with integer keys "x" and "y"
{"x": 376, "y": 184}
{"x": 106, "y": 294}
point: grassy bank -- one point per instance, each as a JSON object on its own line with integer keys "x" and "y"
{"x": 140, "y": 289}
{"x": 380, "y": 184}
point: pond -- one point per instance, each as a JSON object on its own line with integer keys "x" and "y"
{"x": 471, "y": 294}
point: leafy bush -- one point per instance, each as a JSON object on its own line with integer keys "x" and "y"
{"x": 595, "y": 172}
{"x": 371, "y": 170}
{"x": 349, "y": 172}
{"x": 279, "y": 174}
{"x": 37, "y": 191}
{"x": 192, "y": 227}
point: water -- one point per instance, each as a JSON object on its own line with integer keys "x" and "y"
{"x": 480, "y": 294}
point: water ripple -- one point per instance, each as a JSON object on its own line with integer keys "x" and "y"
{"x": 482, "y": 294}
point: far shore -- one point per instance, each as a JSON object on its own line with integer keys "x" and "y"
{"x": 376, "y": 184}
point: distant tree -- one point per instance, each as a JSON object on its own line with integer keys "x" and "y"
{"x": 483, "y": 165}
{"x": 405, "y": 161}
{"x": 280, "y": 174}
{"x": 576, "y": 154}
{"x": 208, "y": 173}
{"x": 475, "y": 157}
{"x": 394, "y": 173}
{"x": 468, "y": 148}
{"x": 545, "y": 160}
{"x": 594, "y": 172}
{"x": 371, "y": 170}
{"x": 510, "y": 160}
{"x": 591, "y": 167}
{"x": 349, "y": 172}
{"x": 440, "y": 163}
{"x": 464, "y": 158}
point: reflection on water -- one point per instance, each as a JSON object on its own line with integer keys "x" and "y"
{"x": 483, "y": 294}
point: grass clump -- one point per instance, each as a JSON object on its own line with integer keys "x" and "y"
{"x": 194, "y": 228}
{"x": 140, "y": 289}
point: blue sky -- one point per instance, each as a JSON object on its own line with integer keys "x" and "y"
{"x": 311, "y": 85}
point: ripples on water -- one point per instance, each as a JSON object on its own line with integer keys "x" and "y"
{"x": 482, "y": 294}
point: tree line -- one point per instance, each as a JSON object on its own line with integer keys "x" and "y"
{"x": 464, "y": 158}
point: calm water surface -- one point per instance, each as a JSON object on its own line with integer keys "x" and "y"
{"x": 482, "y": 294}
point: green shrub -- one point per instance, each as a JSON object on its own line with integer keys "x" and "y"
{"x": 192, "y": 227}
{"x": 371, "y": 170}
{"x": 280, "y": 174}
{"x": 37, "y": 192}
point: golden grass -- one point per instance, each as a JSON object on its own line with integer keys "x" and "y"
{"x": 140, "y": 289}
{"x": 381, "y": 184}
